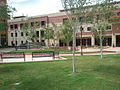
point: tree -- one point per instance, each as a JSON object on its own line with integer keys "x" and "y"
{"x": 48, "y": 34}
{"x": 56, "y": 32}
{"x": 30, "y": 28}
{"x": 66, "y": 33}
{"x": 5, "y": 11}
{"x": 74, "y": 9}
{"x": 102, "y": 11}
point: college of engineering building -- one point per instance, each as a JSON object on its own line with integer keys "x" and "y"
{"x": 17, "y": 36}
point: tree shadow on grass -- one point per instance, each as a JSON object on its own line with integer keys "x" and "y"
{"x": 9, "y": 69}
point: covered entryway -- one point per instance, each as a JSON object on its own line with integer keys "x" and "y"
{"x": 118, "y": 40}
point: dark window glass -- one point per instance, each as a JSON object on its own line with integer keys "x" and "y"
{"x": 88, "y": 28}
{"x": 109, "y": 27}
{"x": 37, "y": 33}
{"x": 65, "y": 20}
{"x": 15, "y": 34}
{"x": 21, "y": 42}
{"x": 21, "y": 25}
{"x": 11, "y": 27}
{"x": 16, "y": 42}
{"x": 32, "y": 23}
{"x": 22, "y": 34}
{"x": 42, "y": 33}
{"x": 42, "y": 23}
{"x": 118, "y": 13}
{"x": 11, "y": 34}
{"x": 16, "y": 26}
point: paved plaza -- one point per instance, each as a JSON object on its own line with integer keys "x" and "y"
{"x": 28, "y": 57}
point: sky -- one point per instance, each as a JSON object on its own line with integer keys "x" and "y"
{"x": 36, "y": 7}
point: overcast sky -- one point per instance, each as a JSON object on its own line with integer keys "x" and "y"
{"x": 36, "y": 7}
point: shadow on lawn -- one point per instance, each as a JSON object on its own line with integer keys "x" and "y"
{"x": 108, "y": 69}
{"x": 9, "y": 69}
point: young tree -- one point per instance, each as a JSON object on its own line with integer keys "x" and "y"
{"x": 48, "y": 34}
{"x": 30, "y": 27}
{"x": 66, "y": 33}
{"x": 57, "y": 33}
{"x": 102, "y": 11}
{"x": 74, "y": 9}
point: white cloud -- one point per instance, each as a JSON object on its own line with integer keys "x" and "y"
{"x": 16, "y": 1}
{"x": 41, "y": 7}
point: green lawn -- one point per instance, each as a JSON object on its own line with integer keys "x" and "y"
{"x": 92, "y": 74}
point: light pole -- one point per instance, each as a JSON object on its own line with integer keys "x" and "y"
{"x": 81, "y": 29}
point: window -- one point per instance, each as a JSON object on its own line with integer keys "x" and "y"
{"x": 16, "y": 42}
{"x": 118, "y": 13}
{"x": 21, "y": 25}
{"x": 22, "y": 34}
{"x": 12, "y": 43}
{"x": 42, "y": 33}
{"x": 37, "y": 40}
{"x": 21, "y": 42}
{"x": 26, "y": 34}
{"x": 65, "y": 20}
{"x": 11, "y": 34}
{"x": 88, "y": 28}
{"x": 42, "y": 23}
{"x": 37, "y": 33}
{"x": 37, "y": 23}
{"x": 16, "y": 26}
{"x": 15, "y": 34}
{"x": 11, "y": 26}
{"x": 109, "y": 27}
{"x": 32, "y": 24}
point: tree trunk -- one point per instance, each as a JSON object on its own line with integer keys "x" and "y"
{"x": 101, "y": 47}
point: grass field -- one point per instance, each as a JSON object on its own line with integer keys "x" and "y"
{"x": 92, "y": 74}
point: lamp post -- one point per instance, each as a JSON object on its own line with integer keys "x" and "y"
{"x": 81, "y": 29}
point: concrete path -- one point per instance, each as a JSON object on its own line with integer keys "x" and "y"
{"x": 28, "y": 57}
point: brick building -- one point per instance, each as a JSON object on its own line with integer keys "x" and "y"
{"x": 16, "y": 36}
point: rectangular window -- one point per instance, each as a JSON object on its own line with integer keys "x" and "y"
{"x": 37, "y": 33}
{"x": 42, "y": 23}
{"x": 65, "y": 20}
{"x": 15, "y": 34}
{"x": 16, "y": 26}
{"x": 11, "y": 34}
{"x": 118, "y": 13}
{"x": 32, "y": 24}
{"x": 21, "y": 25}
{"x": 11, "y": 27}
{"x": 16, "y": 42}
{"x": 42, "y": 33}
{"x": 88, "y": 28}
{"x": 21, "y": 42}
{"x": 12, "y": 43}
{"x": 109, "y": 27}
{"x": 26, "y": 34}
{"x": 22, "y": 34}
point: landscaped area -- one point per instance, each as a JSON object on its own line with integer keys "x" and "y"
{"x": 93, "y": 73}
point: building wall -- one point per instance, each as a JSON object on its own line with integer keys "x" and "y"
{"x": 112, "y": 34}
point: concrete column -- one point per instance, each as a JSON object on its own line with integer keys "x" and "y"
{"x": 92, "y": 41}
{"x": 39, "y": 36}
{"x": 113, "y": 40}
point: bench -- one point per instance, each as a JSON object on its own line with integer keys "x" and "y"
{"x": 12, "y": 55}
{"x": 43, "y": 54}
